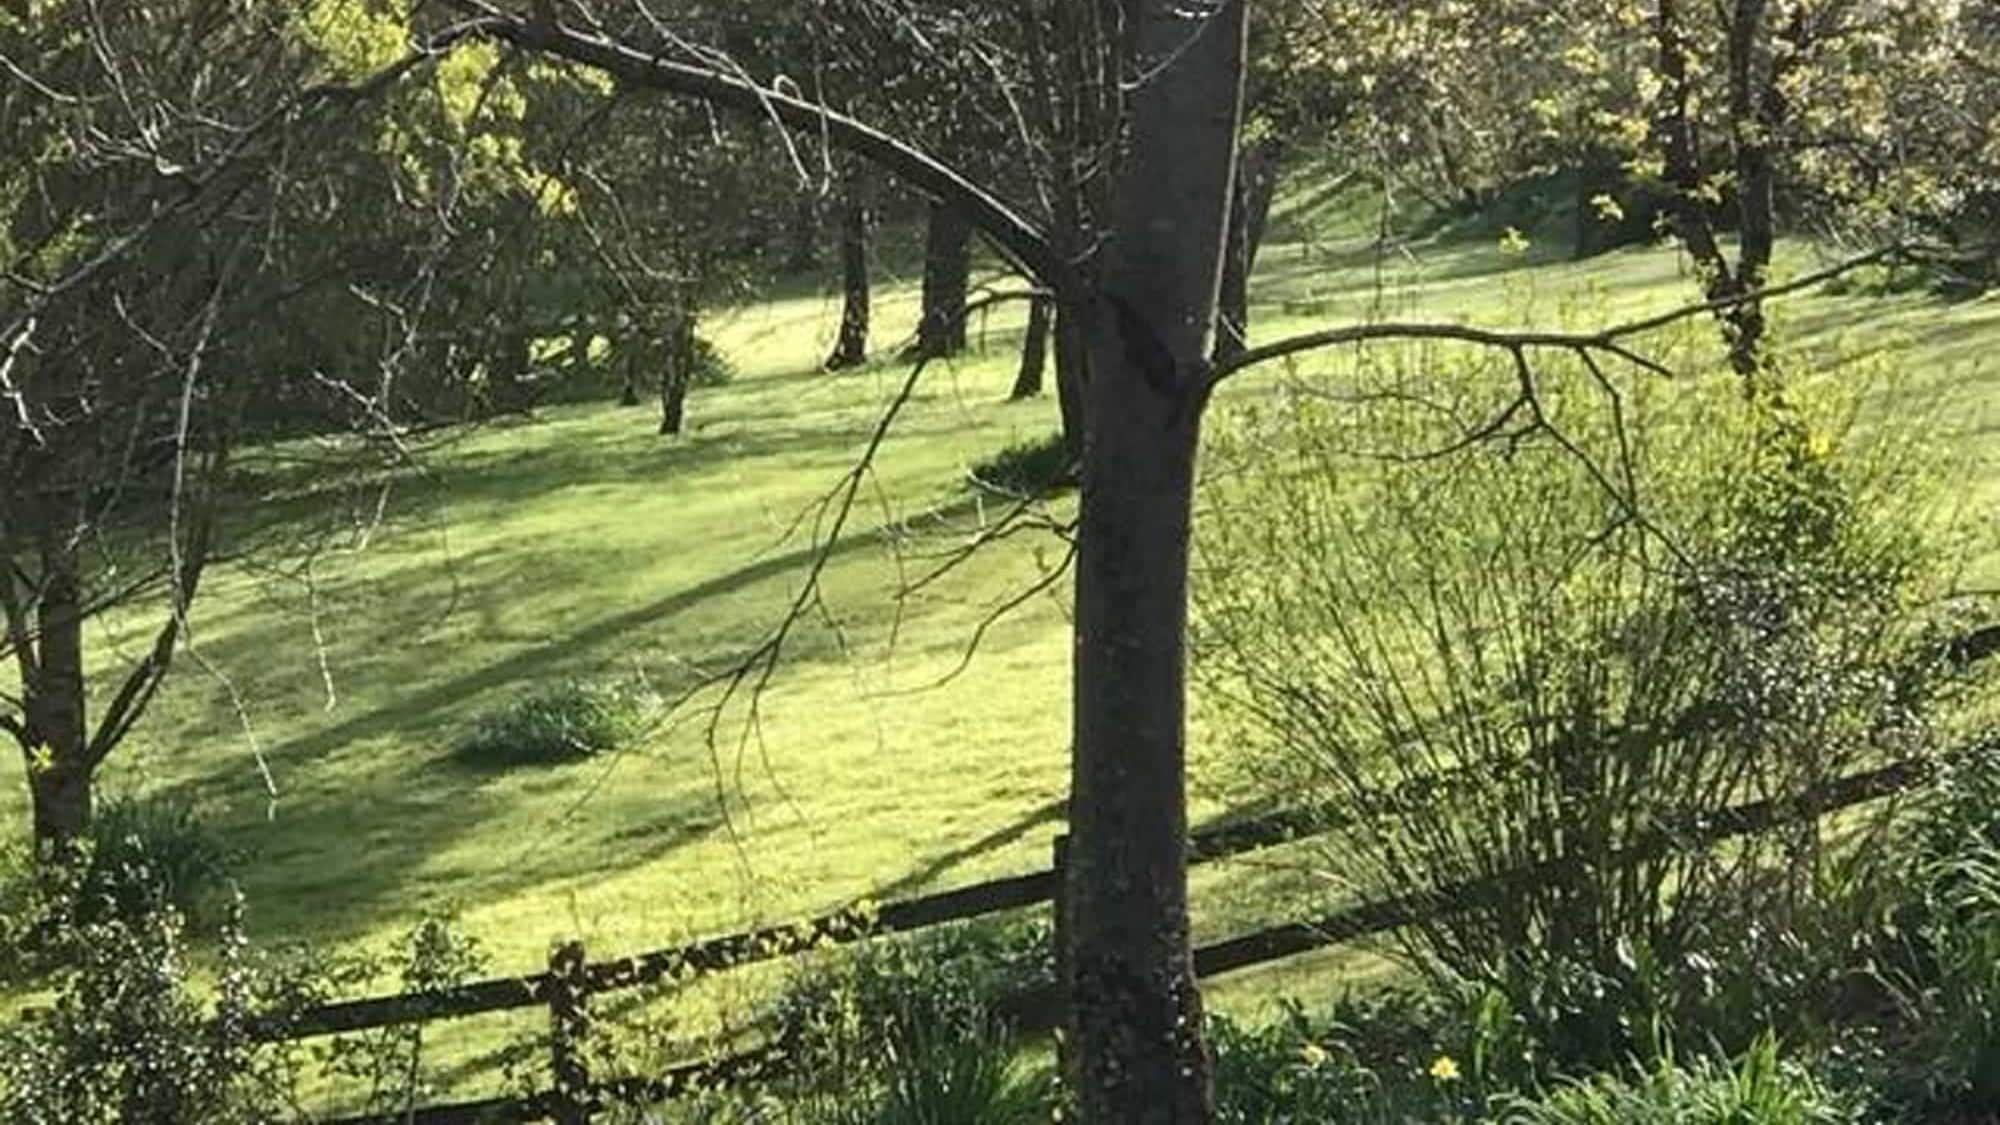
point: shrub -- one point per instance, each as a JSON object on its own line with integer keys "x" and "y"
{"x": 1947, "y": 1021}
{"x": 711, "y": 366}
{"x": 573, "y": 720}
{"x": 151, "y": 852}
{"x": 855, "y": 999}
{"x": 141, "y": 855}
{"x": 1028, "y": 468}
{"x": 1567, "y": 656}
{"x": 133, "y": 1033}
{"x": 952, "y": 1073}
{"x": 913, "y": 1032}
{"x": 1761, "y": 1089}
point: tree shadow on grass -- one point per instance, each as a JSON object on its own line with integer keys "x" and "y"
{"x": 346, "y": 850}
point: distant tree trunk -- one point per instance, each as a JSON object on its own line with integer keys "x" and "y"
{"x": 947, "y": 274}
{"x": 1249, "y": 215}
{"x": 1135, "y": 1013}
{"x": 1072, "y": 349}
{"x": 56, "y": 742}
{"x": 803, "y": 254}
{"x": 1754, "y": 119}
{"x": 677, "y": 372}
{"x": 1034, "y": 352}
{"x": 507, "y": 372}
{"x": 1754, "y": 112}
{"x": 851, "y": 349}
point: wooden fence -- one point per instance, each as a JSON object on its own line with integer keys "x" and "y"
{"x": 571, "y": 979}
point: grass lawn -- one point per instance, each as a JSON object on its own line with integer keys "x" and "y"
{"x": 578, "y": 543}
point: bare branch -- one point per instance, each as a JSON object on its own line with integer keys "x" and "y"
{"x": 1606, "y": 341}
{"x": 1014, "y": 235}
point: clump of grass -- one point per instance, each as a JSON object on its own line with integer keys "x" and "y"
{"x": 152, "y": 852}
{"x": 1042, "y": 467}
{"x": 566, "y": 722}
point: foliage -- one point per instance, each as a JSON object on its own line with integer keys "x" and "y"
{"x": 142, "y": 855}
{"x": 139, "y": 1029}
{"x": 1760, "y": 1089}
{"x": 1565, "y": 652}
{"x": 149, "y": 852}
{"x": 1948, "y": 990}
{"x": 572, "y": 720}
{"x": 1041, "y": 467}
{"x": 858, "y": 999}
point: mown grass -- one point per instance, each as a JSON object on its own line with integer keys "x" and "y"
{"x": 580, "y": 545}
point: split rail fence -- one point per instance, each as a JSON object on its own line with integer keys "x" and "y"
{"x": 571, "y": 979}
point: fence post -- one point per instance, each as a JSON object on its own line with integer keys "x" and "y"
{"x": 1059, "y": 936}
{"x": 569, "y": 1022}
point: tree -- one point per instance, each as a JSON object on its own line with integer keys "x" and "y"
{"x": 152, "y": 240}
{"x": 1146, "y": 320}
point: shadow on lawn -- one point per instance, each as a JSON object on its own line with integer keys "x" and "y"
{"x": 348, "y": 847}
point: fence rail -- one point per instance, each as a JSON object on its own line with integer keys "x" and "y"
{"x": 565, "y": 988}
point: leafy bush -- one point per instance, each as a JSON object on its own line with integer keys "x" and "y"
{"x": 856, "y": 999}
{"x": 1028, "y": 468}
{"x": 570, "y": 721}
{"x": 151, "y": 852}
{"x": 1760, "y": 1089}
{"x": 711, "y": 366}
{"x": 913, "y": 1032}
{"x": 949, "y": 1073}
{"x": 132, "y": 1032}
{"x": 1946, "y": 1022}
{"x": 1566, "y": 655}
{"x": 141, "y": 855}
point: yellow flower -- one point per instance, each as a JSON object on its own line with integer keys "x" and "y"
{"x": 1313, "y": 1054}
{"x": 1445, "y": 1069}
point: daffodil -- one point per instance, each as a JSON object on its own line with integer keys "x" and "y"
{"x": 1445, "y": 1069}
{"x": 1313, "y": 1054}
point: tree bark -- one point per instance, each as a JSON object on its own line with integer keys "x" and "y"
{"x": 851, "y": 349}
{"x": 1249, "y": 215}
{"x": 1034, "y": 352}
{"x": 1135, "y": 1013}
{"x": 1753, "y": 121}
{"x": 803, "y": 254}
{"x": 56, "y": 742}
{"x": 677, "y": 372}
{"x": 1753, "y": 117}
{"x": 507, "y": 372}
{"x": 1072, "y": 350}
{"x": 947, "y": 276}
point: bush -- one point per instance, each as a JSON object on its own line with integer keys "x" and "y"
{"x": 711, "y": 366}
{"x": 1760, "y": 1089}
{"x": 855, "y": 999}
{"x": 913, "y": 1032}
{"x": 151, "y": 852}
{"x": 1551, "y": 655}
{"x": 573, "y": 720}
{"x": 140, "y": 856}
{"x": 1028, "y": 468}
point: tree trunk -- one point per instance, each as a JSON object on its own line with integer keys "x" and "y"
{"x": 1249, "y": 215}
{"x": 851, "y": 350}
{"x": 1034, "y": 352}
{"x": 57, "y": 738}
{"x": 507, "y": 373}
{"x": 947, "y": 275}
{"x": 1674, "y": 134}
{"x": 1753, "y": 122}
{"x": 678, "y": 350}
{"x": 1135, "y": 1010}
{"x": 1072, "y": 348}
{"x": 803, "y": 255}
